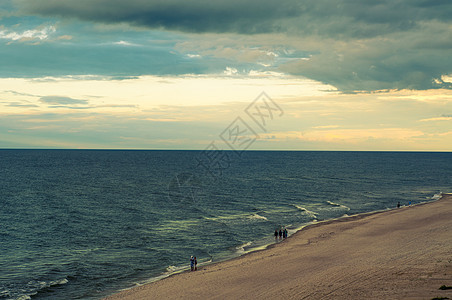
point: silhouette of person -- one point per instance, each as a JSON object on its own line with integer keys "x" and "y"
{"x": 276, "y": 234}
{"x": 196, "y": 264}
{"x": 280, "y": 233}
{"x": 192, "y": 263}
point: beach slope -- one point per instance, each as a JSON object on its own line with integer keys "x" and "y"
{"x": 403, "y": 253}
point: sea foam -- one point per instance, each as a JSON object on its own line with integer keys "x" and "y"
{"x": 257, "y": 217}
{"x": 310, "y": 213}
{"x": 437, "y": 196}
{"x": 338, "y": 205}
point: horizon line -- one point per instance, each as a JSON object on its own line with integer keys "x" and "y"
{"x": 229, "y": 150}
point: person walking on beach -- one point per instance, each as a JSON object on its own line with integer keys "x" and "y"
{"x": 280, "y": 234}
{"x": 398, "y": 204}
{"x": 285, "y": 233}
{"x": 192, "y": 263}
{"x": 276, "y": 234}
{"x": 196, "y": 264}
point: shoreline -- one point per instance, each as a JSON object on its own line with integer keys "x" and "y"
{"x": 263, "y": 247}
{"x": 212, "y": 277}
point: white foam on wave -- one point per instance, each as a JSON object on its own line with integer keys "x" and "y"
{"x": 242, "y": 247}
{"x": 34, "y": 287}
{"x": 437, "y": 196}
{"x": 310, "y": 213}
{"x": 175, "y": 225}
{"x": 59, "y": 282}
{"x": 338, "y": 205}
{"x": 171, "y": 268}
{"x": 43, "y": 284}
{"x": 226, "y": 217}
{"x": 257, "y": 217}
{"x": 233, "y": 217}
{"x": 4, "y": 293}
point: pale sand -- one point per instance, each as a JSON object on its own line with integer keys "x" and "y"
{"x": 403, "y": 253}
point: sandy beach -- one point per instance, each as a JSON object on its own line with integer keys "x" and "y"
{"x": 403, "y": 253}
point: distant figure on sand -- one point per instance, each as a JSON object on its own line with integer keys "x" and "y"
{"x": 285, "y": 233}
{"x": 192, "y": 263}
{"x": 398, "y": 204}
{"x": 196, "y": 264}
{"x": 280, "y": 233}
{"x": 276, "y": 233}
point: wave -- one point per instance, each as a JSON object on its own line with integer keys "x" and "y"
{"x": 33, "y": 288}
{"x": 226, "y": 217}
{"x": 437, "y": 196}
{"x": 242, "y": 216}
{"x": 257, "y": 217}
{"x": 310, "y": 213}
{"x": 5, "y": 294}
{"x": 171, "y": 268}
{"x": 175, "y": 225}
{"x": 338, "y": 205}
{"x": 243, "y": 247}
{"x": 175, "y": 269}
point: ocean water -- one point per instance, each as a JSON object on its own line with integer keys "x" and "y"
{"x": 82, "y": 224}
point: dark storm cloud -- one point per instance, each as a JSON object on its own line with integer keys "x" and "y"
{"x": 192, "y": 16}
{"x": 346, "y": 17}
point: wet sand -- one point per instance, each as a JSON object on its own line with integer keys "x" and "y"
{"x": 404, "y": 253}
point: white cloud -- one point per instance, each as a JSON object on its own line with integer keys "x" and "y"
{"x": 125, "y": 43}
{"x": 230, "y": 71}
{"x": 446, "y": 78}
{"x": 271, "y": 53}
{"x": 28, "y": 35}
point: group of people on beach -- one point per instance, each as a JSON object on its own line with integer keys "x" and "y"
{"x": 282, "y": 233}
{"x": 193, "y": 263}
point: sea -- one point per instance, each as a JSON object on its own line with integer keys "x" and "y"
{"x": 84, "y": 224}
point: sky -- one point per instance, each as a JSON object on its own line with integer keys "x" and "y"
{"x": 226, "y": 74}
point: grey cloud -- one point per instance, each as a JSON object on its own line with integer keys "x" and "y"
{"x": 62, "y": 101}
{"x": 398, "y": 61}
{"x": 360, "y": 45}
{"x": 191, "y": 16}
{"x": 320, "y": 17}
{"x": 19, "y": 104}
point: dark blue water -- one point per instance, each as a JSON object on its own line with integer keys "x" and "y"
{"x": 84, "y": 224}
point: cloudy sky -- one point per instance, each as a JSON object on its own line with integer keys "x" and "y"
{"x": 178, "y": 74}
